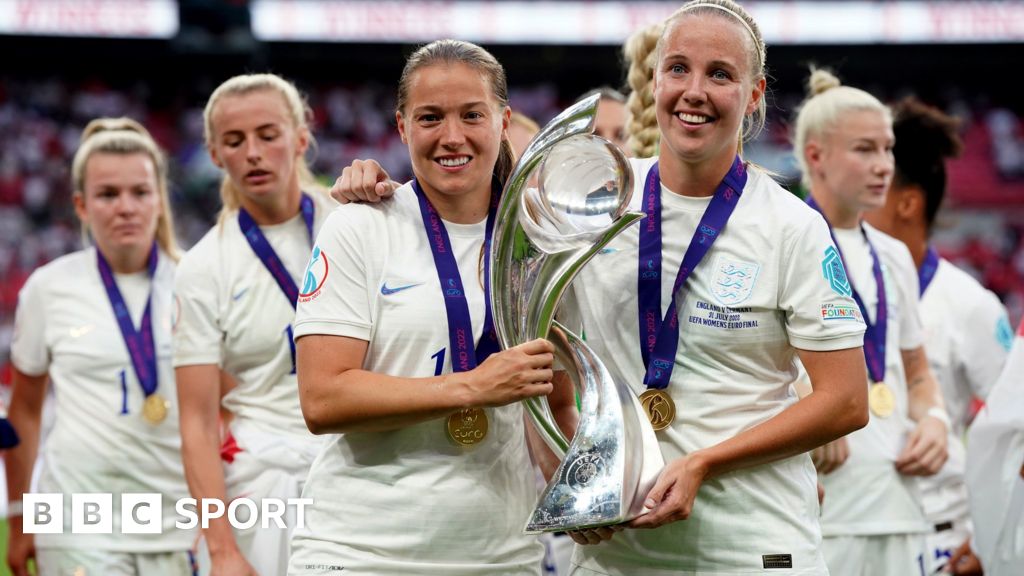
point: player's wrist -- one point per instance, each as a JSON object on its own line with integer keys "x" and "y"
{"x": 939, "y": 413}
{"x": 458, "y": 388}
{"x": 15, "y": 508}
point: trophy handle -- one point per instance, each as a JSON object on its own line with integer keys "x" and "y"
{"x": 600, "y": 482}
{"x": 543, "y": 237}
{"x": 556, "y": 275}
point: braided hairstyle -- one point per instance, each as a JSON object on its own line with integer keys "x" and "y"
{"x": 641, "y": 57}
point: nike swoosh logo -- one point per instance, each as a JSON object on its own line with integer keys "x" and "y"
{"x": 608, "y": 250}
{"x": 389, "y": 291}
{"x": 240, "y": 294}
{"x": 81, "y": 331}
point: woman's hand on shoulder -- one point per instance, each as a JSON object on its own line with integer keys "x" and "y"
{"x": 363, "y": 181}
{"x": 524, "y": 371}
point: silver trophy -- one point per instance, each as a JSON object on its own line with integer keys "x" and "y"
{"x": 566, "y": 199}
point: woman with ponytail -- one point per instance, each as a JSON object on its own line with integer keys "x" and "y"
{"x": 236, "y": 292}
{"x": 966, "y": 330}
{"x": 97, "y": 324}
{"x": 426, "y": 468}
{"x": 872, "y": 520}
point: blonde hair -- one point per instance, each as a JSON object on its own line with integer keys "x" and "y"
{"x": 640, "y": 52}
{"x": 754, "y": 123}
{"x": 827, "y": 101}
{"x": 298, "y": 110}
{"x": 125, "y": 136}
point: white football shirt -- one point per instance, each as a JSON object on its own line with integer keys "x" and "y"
{"x": 65, "y": 327}
{"x": 408, "y": 501}
{"x": 232, "y": 313}
{"x": 995, "y": 454}
{"x": 866, "y": 496}
{"x": 760, "y": 293}
{"x": 967, "y": 337}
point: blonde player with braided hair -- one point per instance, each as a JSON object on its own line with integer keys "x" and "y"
{"x": 640, "y": 56}
{"x": 97, "y": 324}
{"x": 236, "y": 291}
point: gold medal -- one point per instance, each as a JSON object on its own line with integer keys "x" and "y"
{"x": 881, "y": 400}
{"x": 659, "y": 407}
{"x": 468, "y": 427}
{"x": 154, "y": 409}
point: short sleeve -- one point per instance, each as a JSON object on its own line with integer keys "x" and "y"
{"x": 815, "y": 293}
{"x": 197, "y": 334}
{"x": 986, "y": 345}
{"x": 335, "y": 299}
{"x": 29, "y": 352}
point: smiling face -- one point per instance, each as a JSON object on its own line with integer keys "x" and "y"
{"x": 256, "y": 142}
{"x": 453, "y": 125}
{"x": 852, "y": 162}
{"x": 703, "y": 88}
{"x": 120, "y": 202}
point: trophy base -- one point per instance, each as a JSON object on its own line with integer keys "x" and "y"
{"x": 599, "y": 483}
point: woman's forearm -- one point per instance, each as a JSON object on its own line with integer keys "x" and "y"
{"x": 837, "y": 407}
{"x": 199, "y": 405}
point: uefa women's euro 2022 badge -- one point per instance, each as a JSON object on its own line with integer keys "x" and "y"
{"x": 315, "y": 276}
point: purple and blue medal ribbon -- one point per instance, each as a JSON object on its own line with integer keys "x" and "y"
{"x": 874, "y": 337}
{"x": 265, "y": 252}
{"x": 141, "y": 348}
{"x": 464, "y": 355}
{"x": 660, "y": 335}
{"x": 928, "y": 268}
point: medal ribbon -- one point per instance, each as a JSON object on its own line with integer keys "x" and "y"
{"x": 928, "y": 268}
{"x": 141, "y": 348}
{"x": 660, "y": 336}
{"x": 874, "y": 337}
{"x": 265, "y": 252}
{"x": 460, "y": 325}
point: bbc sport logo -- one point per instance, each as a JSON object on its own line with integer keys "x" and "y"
{"x": 142, "y": 513}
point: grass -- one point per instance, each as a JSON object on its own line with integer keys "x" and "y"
{"x": 3, "y": 549}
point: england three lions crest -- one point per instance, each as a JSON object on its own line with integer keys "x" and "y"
{"x": 733, "y": 280}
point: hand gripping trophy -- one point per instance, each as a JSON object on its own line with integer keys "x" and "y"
{"x": 566, "y": 199}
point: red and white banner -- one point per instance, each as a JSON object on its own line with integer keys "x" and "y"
{"x": 97, "y": 18}
{"x": 588, "y": 22}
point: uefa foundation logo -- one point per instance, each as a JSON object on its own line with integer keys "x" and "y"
{"x": 142, "y": 513}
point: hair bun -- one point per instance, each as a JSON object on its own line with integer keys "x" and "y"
{"x": 113, "y": 125}
{"x": 821, "y": 80}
